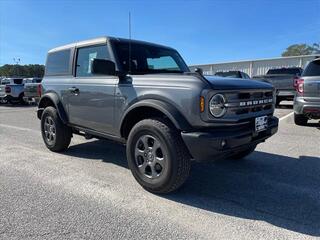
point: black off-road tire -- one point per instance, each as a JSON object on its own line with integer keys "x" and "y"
{"x": 174, "y": 150}
{"x": 21, "y": 100}
{"x": 63, "y": 133}
{"x": 244, "y": 153}
{"x": 300, "y": 120}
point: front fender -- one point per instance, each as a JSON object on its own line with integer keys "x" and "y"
{"x": 175, "y": 116}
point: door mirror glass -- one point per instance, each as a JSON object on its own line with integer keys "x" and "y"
{"x": 103, "y": 67}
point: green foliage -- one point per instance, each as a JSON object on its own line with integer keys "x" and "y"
{"x": 15, "y": 70}
{"x": 301, "y": 49}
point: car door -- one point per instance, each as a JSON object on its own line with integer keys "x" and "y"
{"x": 91, "y": 97}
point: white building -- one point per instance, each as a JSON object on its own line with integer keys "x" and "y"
{"x": 256, "y": 67}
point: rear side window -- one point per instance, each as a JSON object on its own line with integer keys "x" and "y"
{"x": 18, "y": 81}
{"x": 313, "y": 69}
{"x": 58, "y": 63}
{"x": 165, "y": 62}
{"x": 85, "y": 57}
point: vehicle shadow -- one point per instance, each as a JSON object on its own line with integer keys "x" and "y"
{"x": 280, "y": 190}
{"x": 18, "y": 105}
{"x": 104, "y": 150}
{"x": 313, "y": 124}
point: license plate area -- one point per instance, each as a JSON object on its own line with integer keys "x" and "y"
{"x": 261, "y": 123}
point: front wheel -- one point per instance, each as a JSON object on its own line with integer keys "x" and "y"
{"x": 56, "y": 135}
{"x": 157, "y": 156}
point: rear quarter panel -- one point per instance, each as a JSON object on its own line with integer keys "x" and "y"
{"x": 312, "y": 88}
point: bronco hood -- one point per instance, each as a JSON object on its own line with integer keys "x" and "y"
{"x": 224, "y": 83}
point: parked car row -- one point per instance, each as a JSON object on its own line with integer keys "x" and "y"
{"x": 283, "y": 81}
{"x": 293, "y": 83}
{"x": 19, "y": 90}
{"x": 281, "y": 78}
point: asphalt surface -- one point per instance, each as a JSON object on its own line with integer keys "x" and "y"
{"x": 88, "y": 191}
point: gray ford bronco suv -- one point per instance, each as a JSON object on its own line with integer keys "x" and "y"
{"x": 144, "y": 95}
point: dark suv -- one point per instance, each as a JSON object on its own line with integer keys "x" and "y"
{"x": 307, "y": 100}
{"x": 143, "y": 95}
{"x": 233, "y": 74}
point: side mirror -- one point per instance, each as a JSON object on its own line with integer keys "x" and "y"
{"x": 103, "y": 66}
{"x": 199, "y": 70}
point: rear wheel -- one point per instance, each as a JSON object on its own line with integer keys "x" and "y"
{"x": 157, "y": 156}
{"x": 56, "y": 135}
{"x": 244, "y": 153}
{"x": 21, "y": 99}
{"x": 3, "y": 101}
{"x": 300, "y": 119}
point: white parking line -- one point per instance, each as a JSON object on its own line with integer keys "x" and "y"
{"x": 284, "y": 117}
{"x": 17, "y": 128}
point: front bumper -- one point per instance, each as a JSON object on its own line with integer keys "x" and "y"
{"x": 208, "y": 145}
{"x": 307, "y": 108}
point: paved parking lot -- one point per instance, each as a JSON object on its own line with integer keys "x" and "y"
{"x": 89, "y": 193}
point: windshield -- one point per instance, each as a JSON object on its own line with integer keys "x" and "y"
{"x": 149, "y": 59}
{"x": 313, "y": 69}
{"x": 231, "y": 74}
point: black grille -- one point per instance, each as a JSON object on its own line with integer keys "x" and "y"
{"x": 250, "y": 102}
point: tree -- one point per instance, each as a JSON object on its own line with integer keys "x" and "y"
{"x": 316, "y": 48}
{"x": 16, "y": 70}
{"x": 301, "y": 49}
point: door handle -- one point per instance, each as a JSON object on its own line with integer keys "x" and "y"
{"x": 74, "y": 90}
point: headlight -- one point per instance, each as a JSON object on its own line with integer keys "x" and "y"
{"x": 217, "y": 105}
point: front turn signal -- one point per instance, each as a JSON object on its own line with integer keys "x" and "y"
{"x": 201, "y": 104}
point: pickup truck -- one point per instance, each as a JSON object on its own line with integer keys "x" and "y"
{"x": 3, "y": 83}
{"x": 12, "y": 90}
{"x": 283, "y": 80}
{"x": 32, "y": 89}
{"x": 143, "y": 95}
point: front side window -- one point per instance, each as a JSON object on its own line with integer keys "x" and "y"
{"x": 145, "y": 58}
{"x": 58, "y": 63}
{"x": 85, "y": 57}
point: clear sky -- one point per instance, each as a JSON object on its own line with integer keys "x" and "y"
{"x": 202, "y": 31}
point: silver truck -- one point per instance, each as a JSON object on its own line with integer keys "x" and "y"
{"x": 144, "y": 95}
{"x": 11, "y": 90}
{"x": 3, "y": 83}
{"x": 32, "y": 89}
{"x": 14, "y": 91}
{"x": 283, "y": 80}
{"x": 307, "y": 100}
